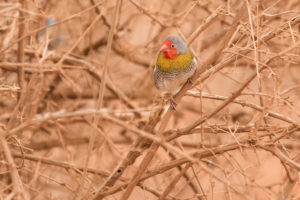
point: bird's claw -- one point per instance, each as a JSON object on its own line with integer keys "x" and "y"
{"x": 173, "y": 104}
{"x": 190, "y": 81}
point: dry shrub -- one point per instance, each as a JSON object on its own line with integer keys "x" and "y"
{"x": 81, "y": 118}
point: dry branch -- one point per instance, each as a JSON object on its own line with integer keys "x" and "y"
{"x": 72, "y": 69}
{"x": 154, "y": 147}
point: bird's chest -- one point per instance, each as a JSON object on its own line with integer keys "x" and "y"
{"x": 176, "y": 64}
{"x": 170, "y": 74}
{"x": 171, "y": 82}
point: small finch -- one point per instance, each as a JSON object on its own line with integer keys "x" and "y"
{"x": 174, "y": 66}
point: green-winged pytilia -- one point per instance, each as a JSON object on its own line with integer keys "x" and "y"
{"x": 174, "y": 66}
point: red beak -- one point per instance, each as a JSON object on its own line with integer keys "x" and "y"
{"x": 164, "y": 48}
{"x": 167, "y": 51}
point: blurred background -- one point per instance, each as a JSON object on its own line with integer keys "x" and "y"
{"x": 52, "y": 58}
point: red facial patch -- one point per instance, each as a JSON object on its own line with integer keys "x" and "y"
{"x": 167, "y": 50}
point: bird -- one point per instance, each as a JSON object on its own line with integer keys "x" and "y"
{"x": 52, "y": 34}
{"x": 174, "y": 66}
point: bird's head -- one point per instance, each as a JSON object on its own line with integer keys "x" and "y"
{"x": 172, "y": 47}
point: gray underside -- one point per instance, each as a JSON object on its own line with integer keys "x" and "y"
{"x": 171, "y": 82}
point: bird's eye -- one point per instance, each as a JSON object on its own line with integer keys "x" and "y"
{"x": 172, "y": 45}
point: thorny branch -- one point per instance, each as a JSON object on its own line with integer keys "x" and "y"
{"x": 239, "y": 113}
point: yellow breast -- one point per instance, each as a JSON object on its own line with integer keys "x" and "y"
{"x": 178, "y": 63}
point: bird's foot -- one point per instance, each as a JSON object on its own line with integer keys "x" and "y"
{"x": 159, "y": 100}
{"x": 190, "y": 81}
{"x": 173, "y": 103}
{"x": 168, "y": 98}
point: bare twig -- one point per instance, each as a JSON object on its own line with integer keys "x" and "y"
{"x": 147, "y": 12}
{"x": 16, "y": 179}
{"x": 204, "y": 25}
{"x": 223, "y": 128}
{"x": 99, "y": 102}
{"x": 167, "y": 116}
{"x": 48, "y": 26}
{"x": 21, "y": 46}
{"x": 175, "y": 180}
{"x": 65, "y": 165}
{"x": 244, "y": 103}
